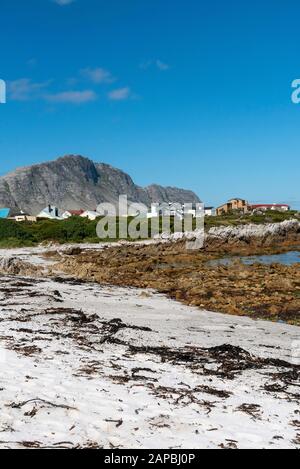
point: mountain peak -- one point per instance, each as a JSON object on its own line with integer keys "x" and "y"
{"x": 74, "y": 182}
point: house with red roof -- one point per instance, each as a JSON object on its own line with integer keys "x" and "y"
{"x": 72, "y": 213}
{"x": 266, "y": 207}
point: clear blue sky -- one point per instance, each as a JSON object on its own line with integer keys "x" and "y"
{"x": 179, "y": 92}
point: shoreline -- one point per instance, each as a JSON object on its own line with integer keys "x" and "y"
{"x": 260, "y": 291}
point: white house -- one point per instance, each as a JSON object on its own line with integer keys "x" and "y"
{"x": 23, "y": 216}
{"x": 196, "y": 210}
{"x": 51, "y": 213}
{"x": 209, "y": 211}
{"x": 154, "y": 211}
{"x": 266, "y": 207}
{"x": 176, "y": 210}
{"x": 165, "y": 209}
{"x": 90, "y": 214}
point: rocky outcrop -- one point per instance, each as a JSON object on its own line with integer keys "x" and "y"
{"x": 268, "y": 235}
{"x": 14, "y": 266}
{"x": 74, "y": 182}
{"x": 240, "y": 237}
{"x": 195, "y": 277}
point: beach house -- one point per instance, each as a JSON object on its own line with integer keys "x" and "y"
{"x": 50, "y": 212}
{"x": 266, "y": 207}
{"x": 232, "y": 205}
{"x": 72, "y": 213}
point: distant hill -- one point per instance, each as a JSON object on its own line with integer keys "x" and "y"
{"x": 74, "y": 182}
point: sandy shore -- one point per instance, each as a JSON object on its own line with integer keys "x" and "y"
{"x": 87, "y": 365}
{"x": 259, "y": 291}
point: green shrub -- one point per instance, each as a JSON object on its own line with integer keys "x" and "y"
{"x": 82, "y": 230}
{"x": 10, "y": 229}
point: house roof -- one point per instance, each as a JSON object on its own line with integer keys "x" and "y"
{"x": 4, "y": 212}
{"x": 49, "y": 209}
{"x": 224, "y": 205}
{"x": 269, "y": 205}
{"x": 231, "y": 200}
{"x": 50, "y": 212}
{"x": 75, "y": 212}
{"x": 90, "y": 212}
{"x": 21, "y": 214}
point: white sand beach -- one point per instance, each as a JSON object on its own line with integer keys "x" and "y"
{"x": 89, "y": 365}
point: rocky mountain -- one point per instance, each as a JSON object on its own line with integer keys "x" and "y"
{"x": 74, "y": 182}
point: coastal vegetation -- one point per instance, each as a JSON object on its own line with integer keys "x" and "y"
{"x": 26, "y": 234}
{"x": 81, "y": 230}
{"x": 234, "y": 219}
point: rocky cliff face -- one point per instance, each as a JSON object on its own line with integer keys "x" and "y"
{"x": 74, "y": 182}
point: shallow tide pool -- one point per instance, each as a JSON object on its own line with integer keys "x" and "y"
{"x": 287, "y": 258}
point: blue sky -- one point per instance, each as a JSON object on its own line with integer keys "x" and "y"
{"x": 178, "y": 92}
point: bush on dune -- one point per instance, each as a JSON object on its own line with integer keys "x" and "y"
{"x": 14, "y": 234}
